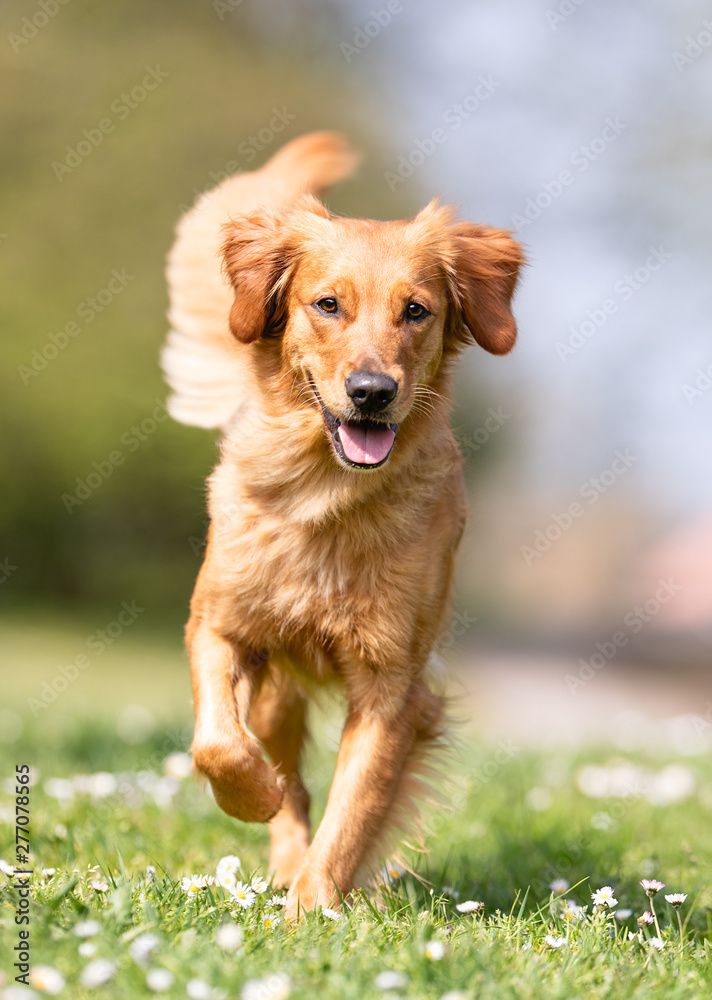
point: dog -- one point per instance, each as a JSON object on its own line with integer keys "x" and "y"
{"x": 323, "y": 348}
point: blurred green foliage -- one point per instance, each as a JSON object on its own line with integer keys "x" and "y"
{"x": 71, "y": 395}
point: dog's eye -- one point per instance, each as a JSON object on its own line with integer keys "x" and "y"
{"x": 414, "y": 310}
{"x": 328, "y": 305}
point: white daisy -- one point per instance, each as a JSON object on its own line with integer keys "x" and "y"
{"x": 159, "y": 980}
{"x": 572, "y": 911}
{"x": 98, "y": 972}
{"x": 275, "y": 987}
{"x": 657, "y": 943}
{"x": 243, "y": 895}
{"x": 49, "y": 872}
{"x": 194, "y": 883}
{"x": 6, "y": 868}
{"x": 277, "y": 901}
{"x": 269, "y": 921}
{"x": 227, "y": 869}
{"x": 676, "y": 899}
{"x": 652, "y": 886}
{"x": 141, "y": 947}
{"x": 229, "y": 937}
{"x": 604, "y": 898}
{"x": 150, "y": 873}
{"x": 646, "y": 918}
{"x": 554, "y": 942}
{"x": 469, "y": 906}
{"x": 87, "y": 928}
{"x": 99, "y": 886}
{"x": 435, "y": 950}
{"x": 559, "y": 885}
{"x": 330, "y": 914}
{"x": 47, "y": 979}
{"x": 390, "y": 980}
{"x": 259, "y": 884}
{"x": 393, "y": 870}
{"x": 198, "y": 989}
{"x": 623, "y": 914}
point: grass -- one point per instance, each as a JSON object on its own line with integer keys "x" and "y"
{"x": 514, "y": 828}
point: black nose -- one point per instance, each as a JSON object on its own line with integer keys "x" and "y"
{"x": 371, "y": 393}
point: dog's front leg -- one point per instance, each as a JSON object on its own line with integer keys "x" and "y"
{"x": 223, "y": 675}
{"x": 381, "y": 728}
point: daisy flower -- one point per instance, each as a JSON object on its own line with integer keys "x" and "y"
{"x": 393, "y": 870}
{"x": 159, "y": 980}
{"x": 676, "y": 899}
{"x": 275, "y": 987}
{"x": 6, "y": 868}
{"x": 141, "y": 947}
{"x": 435, "y": 950}
{"x": 87, "y": 949}
{"x": 277, "y": 901}
{"x": 99, "y": 886}
{"x": 229, "y": 937}
{"x": 49, "y": 872}
{"x": 87, "y": 928}
{"x": 198, "y": 989}
{"x": 226, "y": 872}
{"x": 559, "y": 885}
{"x": 47, "y": 979}
{"x": 572, "y": 911}
{"x": 646, "y": 918}
{"x": 554, "y": 942}
{"x": 243, "y": 894}
{"x": 330, "y": 914}
{"x": 604, "y": 898}
{"x": 470, "y": 906}
{"x": 259, "y": 884}
{"x": 98, "y": 972}
{"x": 390, "y": 980}
{"x": 652, "y": 886}
{"x": 657, "y": 943}
{"x": 269, "y": 921}
{"x": 194, "y": 883}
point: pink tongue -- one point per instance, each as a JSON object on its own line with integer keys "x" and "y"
{"x": 366, "y": 444}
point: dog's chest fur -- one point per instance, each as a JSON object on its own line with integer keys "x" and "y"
{"x": 359, "y": 581}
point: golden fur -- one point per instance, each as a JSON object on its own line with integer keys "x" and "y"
{"x": 317, "y": 572}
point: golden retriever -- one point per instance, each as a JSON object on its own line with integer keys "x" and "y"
{"x": 323, "y": 348}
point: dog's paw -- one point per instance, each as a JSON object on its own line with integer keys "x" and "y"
{"x": 309, "y": 893}
{"x": 244, "y": 784}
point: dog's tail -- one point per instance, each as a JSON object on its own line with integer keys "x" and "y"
{"x": 201, "y": 361}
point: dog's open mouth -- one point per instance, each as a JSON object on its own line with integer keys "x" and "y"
{"x": 362, "y": 444}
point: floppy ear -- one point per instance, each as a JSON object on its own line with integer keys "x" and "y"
{"x": 256, "y": 260}
{"x": 486, "y": 268}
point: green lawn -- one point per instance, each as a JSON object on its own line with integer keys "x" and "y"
{"x": 503, "y": 842}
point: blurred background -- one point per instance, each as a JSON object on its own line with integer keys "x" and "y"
{"x": 584, "y": 600}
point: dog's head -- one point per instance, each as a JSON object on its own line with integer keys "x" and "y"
{"x": 363, "y": 312}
